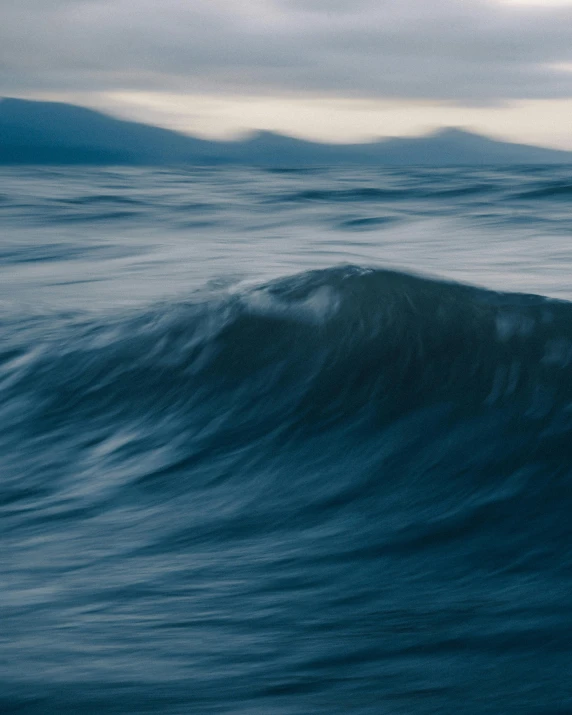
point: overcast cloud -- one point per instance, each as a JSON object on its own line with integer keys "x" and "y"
{"x": 470, "y": 51}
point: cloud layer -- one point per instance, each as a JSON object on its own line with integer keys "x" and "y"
{"x": 470, "y": 51}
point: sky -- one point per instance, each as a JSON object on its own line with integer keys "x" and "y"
{"x": 331, "y": 70}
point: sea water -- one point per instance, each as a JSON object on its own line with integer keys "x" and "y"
{"x": 286, "y": 442}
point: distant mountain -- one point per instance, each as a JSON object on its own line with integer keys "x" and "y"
{"x": 54, "y": 133}
{"x": 33, "y": 132}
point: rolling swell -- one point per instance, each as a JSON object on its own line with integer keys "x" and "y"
{"x": 367, "y": 356}
{"x": 340, "y": 474}
{"x": 548, "y": 190}
{"x": 375, "y": 194}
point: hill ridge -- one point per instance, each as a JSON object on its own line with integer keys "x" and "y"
{"x": 33, "y": 131}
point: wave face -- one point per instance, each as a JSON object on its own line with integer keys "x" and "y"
{"x": 344, "y": 491}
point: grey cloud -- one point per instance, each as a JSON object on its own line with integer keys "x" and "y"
{"x": 462, "y": 50}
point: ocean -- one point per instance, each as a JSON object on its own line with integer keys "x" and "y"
{"x": 286, "y": 442}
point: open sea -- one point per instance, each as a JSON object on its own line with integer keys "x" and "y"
{"x": 286, "y": 442}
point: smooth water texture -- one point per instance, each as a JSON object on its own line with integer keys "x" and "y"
{"x": 286, "y": 442}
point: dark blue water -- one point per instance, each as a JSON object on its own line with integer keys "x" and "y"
{"x": 286, "y": 442}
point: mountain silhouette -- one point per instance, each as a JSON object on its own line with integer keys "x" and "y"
{"x": 34, "y": 132}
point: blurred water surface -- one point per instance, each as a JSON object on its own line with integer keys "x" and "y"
{"x": 285, "y": 441}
